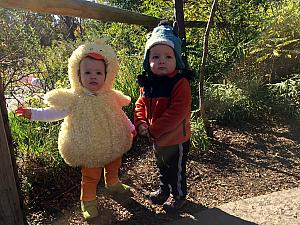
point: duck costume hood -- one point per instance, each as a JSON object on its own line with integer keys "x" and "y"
{"x": 97, "y": 50}
{"x": 96, "y": 130}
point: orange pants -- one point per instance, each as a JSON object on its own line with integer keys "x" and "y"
{"x": 91, "y": 177}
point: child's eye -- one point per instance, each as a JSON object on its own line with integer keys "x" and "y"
{"x": 169, "y": 57}
{"x": 87, "y": 72}
{"x": 99, "y": 73}
{"x": 155, "y": 57}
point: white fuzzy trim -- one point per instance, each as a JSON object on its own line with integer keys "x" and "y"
{"x": 155, "y": 41}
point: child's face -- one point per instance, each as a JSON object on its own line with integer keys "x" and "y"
{"x": 92, "y": 74}
{"x": 162, "y": 60}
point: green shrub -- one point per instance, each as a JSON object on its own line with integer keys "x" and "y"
{"x": 223, "y": 98}
{"x": 199, "y": 139}
{"x": 38, "y": 138}
{"x": 284, "y": 97}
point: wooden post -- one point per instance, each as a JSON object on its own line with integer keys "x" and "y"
{"x": 179, "y": 17}
{"x": 10, "y": 209}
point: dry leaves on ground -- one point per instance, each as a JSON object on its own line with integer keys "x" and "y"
{"x": 240, "y": 163}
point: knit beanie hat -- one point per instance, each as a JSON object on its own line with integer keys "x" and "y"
{"x": 164, "y": 34}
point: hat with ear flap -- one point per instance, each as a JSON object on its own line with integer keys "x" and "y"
{"x": 164, "y": 34}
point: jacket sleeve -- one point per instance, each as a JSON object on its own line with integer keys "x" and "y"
{"x": 179, "y": 109}
{"x": 140, "y": 111}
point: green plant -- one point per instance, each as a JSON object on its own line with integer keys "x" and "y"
{"x": 220, "y": 98}
{"x": 285, "y": 97}
{"x": 199, "y": 139}
{"x": 275, "y": 53}
{"x": 38, "y": 138}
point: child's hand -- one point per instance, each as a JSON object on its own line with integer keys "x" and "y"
{"x": 143, "y": 129}
{"x": 23, "y": 112}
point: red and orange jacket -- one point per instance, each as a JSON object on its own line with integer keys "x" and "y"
{"x": 165, "y": 105}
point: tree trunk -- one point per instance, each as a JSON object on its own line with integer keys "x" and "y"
{"x": 202, "y": 71}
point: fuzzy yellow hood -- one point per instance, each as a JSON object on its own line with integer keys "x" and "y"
{"x": 111, "y": 62}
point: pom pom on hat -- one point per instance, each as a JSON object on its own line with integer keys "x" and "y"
{"x": 164, "y": 34}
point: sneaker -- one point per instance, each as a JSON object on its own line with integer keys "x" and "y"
{"x": 158, "y": 197}
{"x": 89, "y": 209}
{"x": 173, "y": 204}
{"x": 120, "y": 189}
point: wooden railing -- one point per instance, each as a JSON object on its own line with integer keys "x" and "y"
{"x": 83, "y": 9}
{"x": 91, "y": 10}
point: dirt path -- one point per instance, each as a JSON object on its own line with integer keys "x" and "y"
{"x": 239, "y": 164}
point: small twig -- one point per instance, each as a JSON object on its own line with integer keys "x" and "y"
{"x": 67, "y": 191}
{"x": 14, "y": 97}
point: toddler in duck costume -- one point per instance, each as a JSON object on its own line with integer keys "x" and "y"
{"x": 95, "y": 132}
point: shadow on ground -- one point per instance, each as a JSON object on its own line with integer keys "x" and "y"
{"x": 213, "y": 216}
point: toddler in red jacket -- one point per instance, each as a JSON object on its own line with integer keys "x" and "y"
{"x": 162, "y": 113}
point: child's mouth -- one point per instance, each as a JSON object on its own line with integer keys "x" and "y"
{"x": 93, "y": 83}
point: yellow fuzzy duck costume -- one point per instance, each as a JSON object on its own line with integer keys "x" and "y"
{"x": 96, "y": 130}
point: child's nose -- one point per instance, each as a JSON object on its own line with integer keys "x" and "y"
{"x": 162, "y": 60}
{"x": 93, "y": 76}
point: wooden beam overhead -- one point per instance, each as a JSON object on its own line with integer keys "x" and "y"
{"x": 83, "y": 9}
{"x": 91, "y": 10}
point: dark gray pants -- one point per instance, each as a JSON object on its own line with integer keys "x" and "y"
{"x": 171, "y": 162}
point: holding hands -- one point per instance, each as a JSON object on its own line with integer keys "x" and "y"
{"x": 143, "y": 129}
